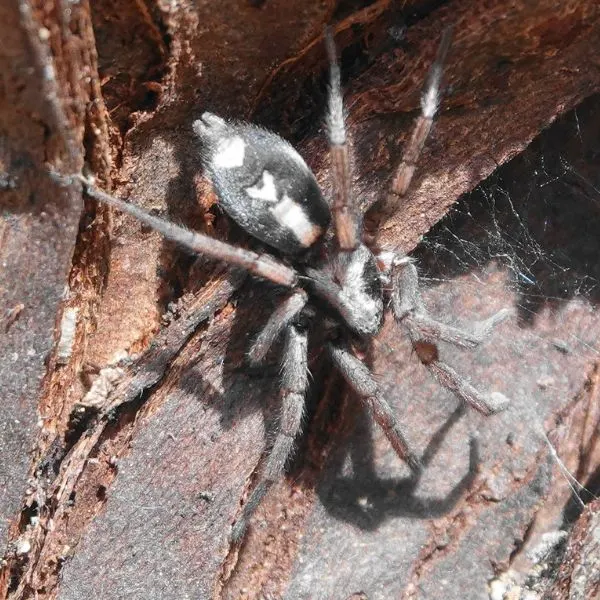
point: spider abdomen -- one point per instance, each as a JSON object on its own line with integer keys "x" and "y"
{"x": 263, "y": 184}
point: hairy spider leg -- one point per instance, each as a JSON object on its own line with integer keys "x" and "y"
{"x": 294, "y": 382}
{"x": 279, "y": 320}
{"x": 360, "y": 379}
{"x": 430, "y": 101}
{"x": 261, "y": 265}
{"x": 345, "y": 214}
{"x": 424, "y": 331}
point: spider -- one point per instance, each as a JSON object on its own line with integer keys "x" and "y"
{"x": 332, "y": 277}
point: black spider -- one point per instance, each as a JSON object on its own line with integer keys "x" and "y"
{"x": 266, "y": 187}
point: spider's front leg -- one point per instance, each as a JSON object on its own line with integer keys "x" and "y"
{"x": 424, "y": 332}
{"x": 260, "y": 265}
{"x": 383, "y": 210}
{"x": 294, "y": 382}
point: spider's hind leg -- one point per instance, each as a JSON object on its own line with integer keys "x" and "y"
{"x": 424, "y": 331}
{"x": 293, "y": 389}
{"x": 430, "y": 100}
{"x": 358, "y": 376}
{"x": 345, "y": 214}
{"x": 261, "y": 265}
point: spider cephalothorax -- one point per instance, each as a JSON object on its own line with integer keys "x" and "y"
{"x": 266, "y": 187}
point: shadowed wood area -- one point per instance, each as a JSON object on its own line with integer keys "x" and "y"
{"x": 131, "y": 432}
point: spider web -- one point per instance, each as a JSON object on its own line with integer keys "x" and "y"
{"x": 537, "y": 219}
{"x": 493, "y": 489}
{"x": 535, "y": 222}
{"x": 527, "y": 237}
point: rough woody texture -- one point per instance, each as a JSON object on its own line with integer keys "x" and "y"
{"x": 124, "y": 483}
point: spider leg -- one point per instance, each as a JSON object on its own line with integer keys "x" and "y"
{"x": 407, "y": 304}
{"x": 430, "y": 99}
{"x": 278, "y": 321}
{"x": 358, "y": 376}
{"x": 343, "y": 208}
{"x": 486, "y": 404}
{"x": 294, "y": 384}
{"x": 428, "y": 328}
{"x": 260, "y": 265}
{"x": 409, "y": 311}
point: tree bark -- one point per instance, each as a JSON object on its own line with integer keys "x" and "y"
{"x": 129, "y": 433}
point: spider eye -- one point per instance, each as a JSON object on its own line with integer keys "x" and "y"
{"x": 263, "y": 184}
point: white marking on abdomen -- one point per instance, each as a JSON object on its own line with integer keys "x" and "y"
{"x": 230, "y": 153}
{"x": 267, "y": 190}
{"x": 289, "y": 214}
{"x": 292, "y": 216}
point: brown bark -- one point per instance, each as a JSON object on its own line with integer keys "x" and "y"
{"x": 579, "y": 573}
{"x": 137, "y": 501}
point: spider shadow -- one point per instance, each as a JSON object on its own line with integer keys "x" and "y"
{"x": 241, "y": 390}
{"x": 367, "y": 500}
{"x": 249, "y": 390}
{"x": 511, "y": 219}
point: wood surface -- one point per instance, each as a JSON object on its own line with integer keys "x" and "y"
{"x": 131, "y": 491}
